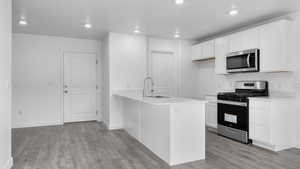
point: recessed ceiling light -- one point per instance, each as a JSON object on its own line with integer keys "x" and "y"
{"x": 179, "y": 2}
{"x": 87, "y": 26}
{"x": 136, "y": 31}
{"x": 23, "y": 22}
{"x": 233, "y": 12}
{"x": 176, "y": 35}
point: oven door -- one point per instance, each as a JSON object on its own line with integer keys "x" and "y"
{"x": 233, "y": 114}
{"x": 245, "y": 61}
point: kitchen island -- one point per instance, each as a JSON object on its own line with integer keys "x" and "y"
{"x": 172, "y": 128}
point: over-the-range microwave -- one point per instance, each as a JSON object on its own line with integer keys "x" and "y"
{"x": 243, "y": 61}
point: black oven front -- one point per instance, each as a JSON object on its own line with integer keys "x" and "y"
{"x": 233, "y": 120}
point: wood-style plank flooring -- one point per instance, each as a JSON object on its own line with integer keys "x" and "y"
{"x": 91, "y": 146}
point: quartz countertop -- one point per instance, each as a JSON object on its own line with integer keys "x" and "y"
{"x": 272, "y": 98}
{"x": 136, "y": 95}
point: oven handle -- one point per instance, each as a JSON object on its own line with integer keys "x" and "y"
{"x": 233, "y": 103}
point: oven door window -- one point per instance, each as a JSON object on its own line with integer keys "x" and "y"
{"x": 241, "y": 61}
{"x": 233, "y": 116}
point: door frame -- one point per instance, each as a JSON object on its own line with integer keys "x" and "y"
{"x": 61, "y": 75}
{"x": 150, "y": 63}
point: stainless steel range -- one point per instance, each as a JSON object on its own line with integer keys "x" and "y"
{"x": 233, "y": 109}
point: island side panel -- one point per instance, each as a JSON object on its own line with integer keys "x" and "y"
{"x": 155, "y": 129}
{"x": 131, "y": 110}
{"x": 187, "y": 132}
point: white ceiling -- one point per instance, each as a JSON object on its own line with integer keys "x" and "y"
{"x": 194, "y": 19}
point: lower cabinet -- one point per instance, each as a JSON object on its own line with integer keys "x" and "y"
{"x": 270, "y": 124}
{"x": 211, "y": 111}
{"x": 132, "y": 120}
{"x": 155, "y": 129}
{"x": 175, "y": 132}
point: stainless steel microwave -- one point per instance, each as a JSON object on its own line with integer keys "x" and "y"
{"x": 243, "y": 61}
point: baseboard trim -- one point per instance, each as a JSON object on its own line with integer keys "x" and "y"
{"x": 28, "y": 125}
{"x": 9, "y": 163}
{"x": 115, "y": 126}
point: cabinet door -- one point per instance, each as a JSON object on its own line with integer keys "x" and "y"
{"x": 251, "y": 39}
{"x": 236, "y": 42}
{"x": 208, "y": 49}
{"x": 197, "y": 52}
{"x": 260, "y": 121}
{"x": 221, "y": 50}
{"x": 273, "y": 55}
{"x": 245, "y": 40}
{"x": 211, "y": 114}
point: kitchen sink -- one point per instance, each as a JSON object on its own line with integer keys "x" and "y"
{"x": 159, "y": 97}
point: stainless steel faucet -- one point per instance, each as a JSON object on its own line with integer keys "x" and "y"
{"x": 152, "y": 84}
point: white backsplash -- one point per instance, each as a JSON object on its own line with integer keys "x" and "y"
{"x": 280, "y": 84}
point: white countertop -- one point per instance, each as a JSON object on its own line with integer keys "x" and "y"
{"x": 272, "y": 98}
{"x": 136, "y": 95}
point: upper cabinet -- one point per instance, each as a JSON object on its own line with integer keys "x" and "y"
{"x": 203, "y": 51}
{"x": 244, "y": 40}
{"x": 271, "y": 39}
{"x": 197, "y": 52}
{"x": 273, "y": 47}
{"x": 221, "y": 50}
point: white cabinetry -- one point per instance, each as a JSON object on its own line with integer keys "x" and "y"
{"x": 244, "y": 40}
{"x": 155, "y": 129}
{"x": 173, "y": 129}
{"x": 270, "y": 123}
{"x": 271, "y": 39}
{"x": 211, "y": 111}
{"x": 221, "y": 50}
{"x": 273, "y": 45}
{"x": 168, "y": 131}
{"x": 203, "y": 51}
{"x": 132, "y": 117}
{"x": 197, "y": 51}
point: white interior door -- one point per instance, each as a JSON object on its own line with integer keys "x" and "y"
{"x": 161, "y": 72}
{"x": 79, "y": 86}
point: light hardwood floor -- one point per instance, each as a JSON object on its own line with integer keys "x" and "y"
{"x": 91, "y": 146}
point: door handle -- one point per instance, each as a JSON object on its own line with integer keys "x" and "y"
{"x": 66, "y": 91}
{"x": 248, "y": 60}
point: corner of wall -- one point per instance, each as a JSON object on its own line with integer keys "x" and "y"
{"x": 8, "y": 164}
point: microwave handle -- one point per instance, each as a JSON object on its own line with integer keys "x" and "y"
{"x": 248, "y": 60}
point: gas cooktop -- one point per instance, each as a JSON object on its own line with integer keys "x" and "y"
{"x": 244, "y": 90}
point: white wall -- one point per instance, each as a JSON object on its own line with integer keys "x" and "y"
{"x": 125, "y": 65}
{"x": 283, "y": 84}
{"x": 189, "y": 72}
{"x": 37, "y": 80}
{"x": 126, "y": 59}
{"x": 5, "y": 84}
{"x": 294, "y": 51}
{"x": 105, "y": 89}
